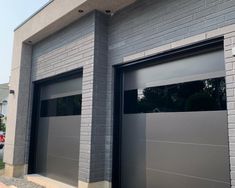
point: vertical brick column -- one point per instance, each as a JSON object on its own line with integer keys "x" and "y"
{"x": 86, "y": 122}
{"x": 86, "y": 114}
{"x": 92, "y": 162}
{"x": 99, "y": 104}
{"x": 230, "y": 85}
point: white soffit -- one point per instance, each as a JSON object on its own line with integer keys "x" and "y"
{"x": 60, "y": 13}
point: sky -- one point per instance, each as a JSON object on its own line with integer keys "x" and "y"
{"x": 12, "y": 14}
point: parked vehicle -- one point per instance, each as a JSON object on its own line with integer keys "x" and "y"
{"x": 2, "y": 139}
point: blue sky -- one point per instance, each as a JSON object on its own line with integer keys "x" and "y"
{"x": 12, "y": 13}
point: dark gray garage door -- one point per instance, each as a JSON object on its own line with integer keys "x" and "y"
{"x": 58, "y": 130}
{"x": 174, "y": 125}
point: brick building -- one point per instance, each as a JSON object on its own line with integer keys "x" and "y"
{"x": 125, "y": 93}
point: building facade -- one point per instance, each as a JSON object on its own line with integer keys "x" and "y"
{"x": 4, "y": 92}
{"x": 131, "y": 93}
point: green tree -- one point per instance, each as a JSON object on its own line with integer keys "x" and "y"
{"x": 2, "y": 124}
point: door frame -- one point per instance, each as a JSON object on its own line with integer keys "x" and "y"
{"x": 35, "y": 111}
{"x": 178, "y": 53}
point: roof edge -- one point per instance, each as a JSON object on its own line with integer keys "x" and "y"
{"x": 34, "y": 14}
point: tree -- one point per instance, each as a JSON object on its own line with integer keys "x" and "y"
{"x": 2, "y": 124}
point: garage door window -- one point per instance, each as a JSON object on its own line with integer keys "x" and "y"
{"x": 63, "y": 106}
{"x": 202, "y": 95}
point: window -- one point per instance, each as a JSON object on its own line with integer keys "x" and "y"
{"x": 64, "y": 106}
{"x": 203, "y": 95}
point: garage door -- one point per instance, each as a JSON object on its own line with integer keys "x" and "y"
{"x": 174, "y": 125}
{"x": 58, "y": 132}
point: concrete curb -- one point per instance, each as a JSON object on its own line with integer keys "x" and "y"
{"x": 5, "y": 186}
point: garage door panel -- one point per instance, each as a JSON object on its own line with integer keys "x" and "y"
{"x": 148, "y": 143}
{"x": 191, "y": 127}
{"x": 135, "y": 145}
{"x": 135, "y": 124}
{"x": 64, "y": 136}
{"x": 202, "y": 161}
{"x": 41, "y": 165}
{"x": 196, "y": 67}
{"x": 43, "y": 130}
{"x": 63, "y": 170}
{"x": 41, "y": 154}
{"x": 64, "y": 146}
{"x": 60, "y": 125}
{"x": 133, "y": 176}
{"x": 60, "y": 89}
{"x": 161, "y": 179}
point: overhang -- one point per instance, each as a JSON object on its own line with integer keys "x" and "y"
{"x": 57, "y": 14}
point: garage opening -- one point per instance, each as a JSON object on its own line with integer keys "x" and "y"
{"x": 56, "y": 136}
{"x": 173, "y": 128}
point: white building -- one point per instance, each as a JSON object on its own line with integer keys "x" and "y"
{"x": 4, "y": 91}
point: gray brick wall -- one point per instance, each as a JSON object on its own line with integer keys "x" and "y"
{"x": 86, "y": 122}
{"x": 149, "y": 23}
{"x": 66, "y": 50}
{"x": 230, "y": 81}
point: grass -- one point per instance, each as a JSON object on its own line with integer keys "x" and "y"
{"x": 2, "y": 164}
